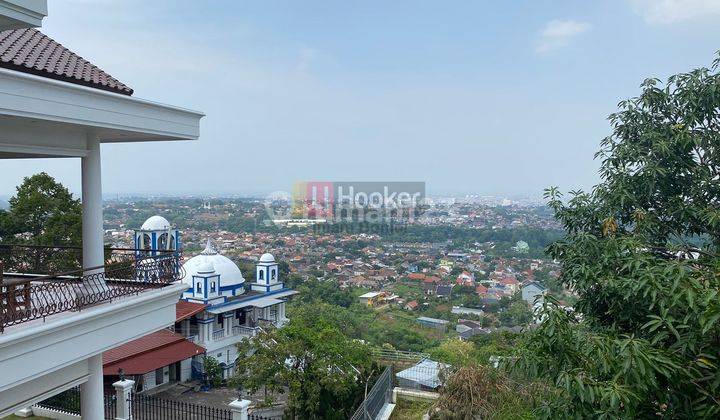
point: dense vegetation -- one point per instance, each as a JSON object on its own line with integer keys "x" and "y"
{"x": 648, "y": 343}
{"x": 323, "y": 370}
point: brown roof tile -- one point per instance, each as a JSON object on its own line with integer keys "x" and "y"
{"x": 31, "y": 51}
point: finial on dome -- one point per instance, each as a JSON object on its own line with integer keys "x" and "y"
{"x": 209, "y": 249}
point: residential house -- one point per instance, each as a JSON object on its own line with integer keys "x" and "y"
{"x": 411, "y": 306}
{"x": 444, "y": 290}
{"x": 465, "y": 279}
{"x": 530, "y": 291}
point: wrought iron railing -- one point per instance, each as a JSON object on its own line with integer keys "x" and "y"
{"x": 33, "y": 284}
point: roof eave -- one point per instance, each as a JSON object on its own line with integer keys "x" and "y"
{"x": 112, "y": 116}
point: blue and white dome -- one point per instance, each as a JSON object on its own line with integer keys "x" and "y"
{"x": 267, "y": 258}
{"x": 210, "y": 262}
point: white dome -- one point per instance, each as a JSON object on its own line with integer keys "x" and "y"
{"x": 267, "y": 258}
{"x": 156, "y": 223}
{"x": 210, "y": 260}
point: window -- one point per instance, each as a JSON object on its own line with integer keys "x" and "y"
{"x": 220, "y": 320}
{"x": 261, "y": 275}
{"x": 272, "y": 273}
{"x": 146, "y": 242}
{"x": 199, "y": 287}
{"x": 212, "y": 287}
{"x": 162, "y": 241}
{"x": 159, "y": 377}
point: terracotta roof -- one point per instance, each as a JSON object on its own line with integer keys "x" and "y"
{"x": 148, "y": 353}
{"x": 31, "y": 51}
{"x": 185, "y": 309}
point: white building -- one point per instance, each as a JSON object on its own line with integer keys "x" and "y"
{"x": 233, "y": 311}
{"x": 58, "y": 105}
{"x": 531, "y": 291}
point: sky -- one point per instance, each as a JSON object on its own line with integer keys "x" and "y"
{"x": 483, "y": 97}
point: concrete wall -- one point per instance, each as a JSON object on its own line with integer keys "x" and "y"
{"x": 186, "y": 370}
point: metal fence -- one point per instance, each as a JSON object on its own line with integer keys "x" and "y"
{"x": 110, "y": 406}
{"x": 145, "y": 407}
{"x": 68, "y": 402}
{"x": 377, "y": 397}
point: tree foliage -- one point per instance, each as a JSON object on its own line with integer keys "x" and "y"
{"x": 42, "y": 212}
{"x": 641, "y": 251}
{"x": 322, "y": 369}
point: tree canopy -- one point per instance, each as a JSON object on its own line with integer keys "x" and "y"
{"x": 323, "y": 370}
{"x": 42, "y": 212}
{"x": 641, "y": 251}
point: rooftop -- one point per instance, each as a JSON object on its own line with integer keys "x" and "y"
{"x": 148, "y": 353}
{"x": 31, "y": 51}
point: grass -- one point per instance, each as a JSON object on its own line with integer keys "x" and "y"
{"x": 410, "y": 410}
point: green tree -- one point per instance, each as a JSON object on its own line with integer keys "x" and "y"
{"x": 213, "y": 371}
{"x": 42, "y": 212}
{"x": 641, "y": 251}
{"x": 324, "y": 370}
{"x": 517, "y": 314}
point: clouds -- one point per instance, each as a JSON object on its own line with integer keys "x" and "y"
{"x": 559, "y": 33}
{"x": 671, "y": 11}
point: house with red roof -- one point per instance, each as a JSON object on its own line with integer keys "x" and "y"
{"x": 465, "y": 279}
{"x": 416, "y": 276}
{"x": 510, "y": 283}
{"x": 159, "y": 358}
{"x": 412, "y": 305}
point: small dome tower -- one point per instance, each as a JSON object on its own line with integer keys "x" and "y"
{"x": 267, "y": 275}
{"x": 155, "y": 236}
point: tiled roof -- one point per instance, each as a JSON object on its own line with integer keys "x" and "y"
{"x": 185, "y": 309}
{"x": 31, "y": 51}
{"x": 148, "y": 353}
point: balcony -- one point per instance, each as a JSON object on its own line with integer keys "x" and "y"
{"x": 40, "y": 282}
{"x": 56, "y": 318}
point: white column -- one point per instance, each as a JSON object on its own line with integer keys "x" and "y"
{"x": 122, "y": 394}
{"x": 92, "y": 212}
{"x": 91, "y": 392}
{"x": 239, "y": 409}
{"x": 228, "y": 323}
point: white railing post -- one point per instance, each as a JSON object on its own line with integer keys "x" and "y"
{"x": 122, "y": 403}
{"x": 239, "y": 409}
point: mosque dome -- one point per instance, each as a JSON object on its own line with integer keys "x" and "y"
{"x": 156, "y": 223}
{"x": 267, "y": 258}
{"x": 211, "y": 262}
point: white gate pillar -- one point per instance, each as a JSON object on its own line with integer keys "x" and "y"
{"x": 239, "y": 409}
{"x": 122, "y": 395}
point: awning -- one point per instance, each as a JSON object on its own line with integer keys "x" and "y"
{"x": 185, "y": 309}
{"x": 256, "y": 303}
{"x": 153, "y": 351}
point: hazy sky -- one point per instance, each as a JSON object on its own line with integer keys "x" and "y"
{"x": 468, "y": 96}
